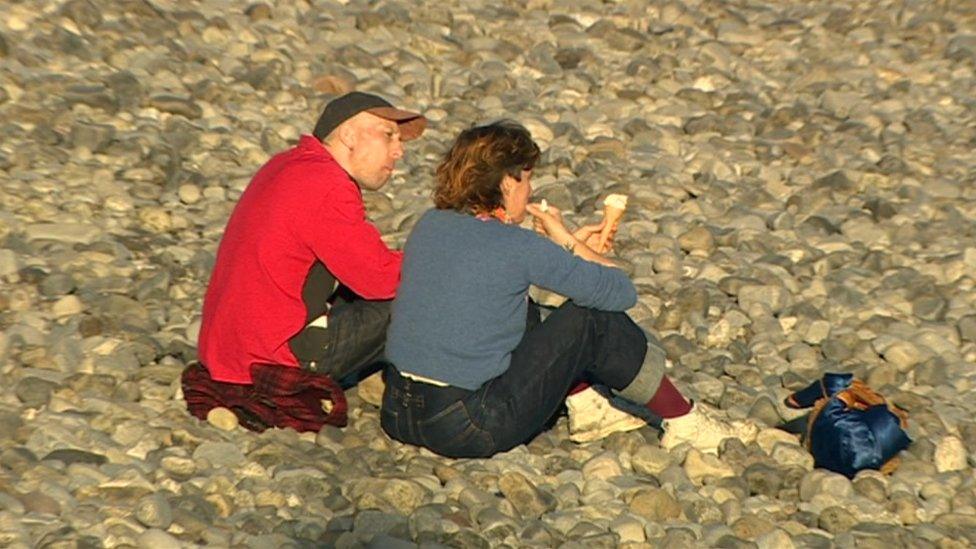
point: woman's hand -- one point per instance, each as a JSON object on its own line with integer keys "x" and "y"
{"x": 590, "y": 235}
{"x": 549, "y": 223}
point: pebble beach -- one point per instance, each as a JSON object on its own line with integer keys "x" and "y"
{"x": 802, "y": 199}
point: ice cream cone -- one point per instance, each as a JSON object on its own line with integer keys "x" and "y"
{"x": 614, "y": 206}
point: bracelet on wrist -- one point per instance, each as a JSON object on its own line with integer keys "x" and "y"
{"x": 570, "y": 246}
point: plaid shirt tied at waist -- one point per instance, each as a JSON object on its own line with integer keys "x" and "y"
{"x": 281, "y": 396}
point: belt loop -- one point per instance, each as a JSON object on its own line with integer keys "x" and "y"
{"x": 404, "y": 396}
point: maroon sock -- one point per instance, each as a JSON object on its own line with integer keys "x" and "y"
{"x": 579, "y": 387}
{"x": 667, "y": 402}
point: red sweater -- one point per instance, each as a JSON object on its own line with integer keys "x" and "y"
{"x": 300, "y": 206}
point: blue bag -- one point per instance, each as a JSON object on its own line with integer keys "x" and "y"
{"x": 851, "y": 427}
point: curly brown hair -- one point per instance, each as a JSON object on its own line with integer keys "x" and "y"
{"x": 470, "y": 176}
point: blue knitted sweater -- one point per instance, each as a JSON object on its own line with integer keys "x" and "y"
{"x": 461, "y": 306}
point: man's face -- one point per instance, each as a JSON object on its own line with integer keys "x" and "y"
{"x": 375, "y": 150}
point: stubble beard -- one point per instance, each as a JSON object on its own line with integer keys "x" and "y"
{"x": 375, "y": 182}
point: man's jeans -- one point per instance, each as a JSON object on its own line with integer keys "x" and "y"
{"x": 571, "y": 344}
{"x": 355, "y": 335}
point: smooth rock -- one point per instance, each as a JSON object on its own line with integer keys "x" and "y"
{"x": 219, "y": 454}
{"x": 72, "y": 233}
{"x": 222, "y": 418}
{"x": 37, "y": 502}
{"x": 8, "y": 262}
{"x": 34, "y": 391}
{"x": 750, "y": 527}
{"x": 155, "y": 538}
{"x": 189, "y": 193}
{"x": 650, "y": 460}
{"x": 527, "y": 499}
{"x": 775, "y": 539}
{"x": 154, "y": 512}
{"x": 67, "y": 306}
{"x": 950, "y": 454}
{"x": 603, "y": 466}
{"x": 370, "y": 390}
{"x": 903, "y": 355}
{"x": 655, "y": 505}
{"x": 69, "y": 456}
{"x": 699, "y": 466}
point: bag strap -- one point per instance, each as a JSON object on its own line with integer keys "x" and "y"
{"x": 818, "y": 407}
{"x": 861, "y": 397}
{"x": 825, "y": 387}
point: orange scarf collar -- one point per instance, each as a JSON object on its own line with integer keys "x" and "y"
{"x": 498, "y": 213}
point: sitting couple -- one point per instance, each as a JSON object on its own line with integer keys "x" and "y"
{"x": 302, "y": 284}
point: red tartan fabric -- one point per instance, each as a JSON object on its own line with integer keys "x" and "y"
{"x": 281, "y": 396}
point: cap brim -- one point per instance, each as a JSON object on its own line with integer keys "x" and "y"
{"x": 412, "y": 124}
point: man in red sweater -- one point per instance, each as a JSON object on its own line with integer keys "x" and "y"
{"x": 302, "y": 281}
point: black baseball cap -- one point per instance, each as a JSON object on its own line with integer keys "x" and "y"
{"x": 343, "y": 108}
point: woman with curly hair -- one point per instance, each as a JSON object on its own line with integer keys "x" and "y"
{"x": 474, "y": 371}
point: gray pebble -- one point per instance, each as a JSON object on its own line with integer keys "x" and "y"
{"x": 529, "y": 500}
{"x": 154, "y": 538}
{"x": 154, "y": 512}
{"x": 219, "y": 454}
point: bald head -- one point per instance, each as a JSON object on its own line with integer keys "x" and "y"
{"x": 367, "y": 147}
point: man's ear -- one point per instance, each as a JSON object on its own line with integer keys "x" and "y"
{"x": 347, "y": 134}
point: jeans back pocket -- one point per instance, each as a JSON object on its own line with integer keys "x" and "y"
{"x": 452, "y": 433}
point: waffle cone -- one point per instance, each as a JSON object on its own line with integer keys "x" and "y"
{"x": 612, "y": 216}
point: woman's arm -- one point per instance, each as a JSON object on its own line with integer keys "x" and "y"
{"x": 586, "y": 277}
{"x": 590, "y": 235}
{"x": 552, "y": 223}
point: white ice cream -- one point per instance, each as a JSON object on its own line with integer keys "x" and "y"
{"x": 618, "y": 201}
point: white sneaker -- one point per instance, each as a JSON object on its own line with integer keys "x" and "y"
{"x": 704, "y": 431}
{"x": 594, "y": 414}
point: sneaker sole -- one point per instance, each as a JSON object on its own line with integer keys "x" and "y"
{"x": 620, "y": 426}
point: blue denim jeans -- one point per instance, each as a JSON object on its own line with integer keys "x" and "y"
{"x": 355, "y": 339}
{"x": 573, "y": 343}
